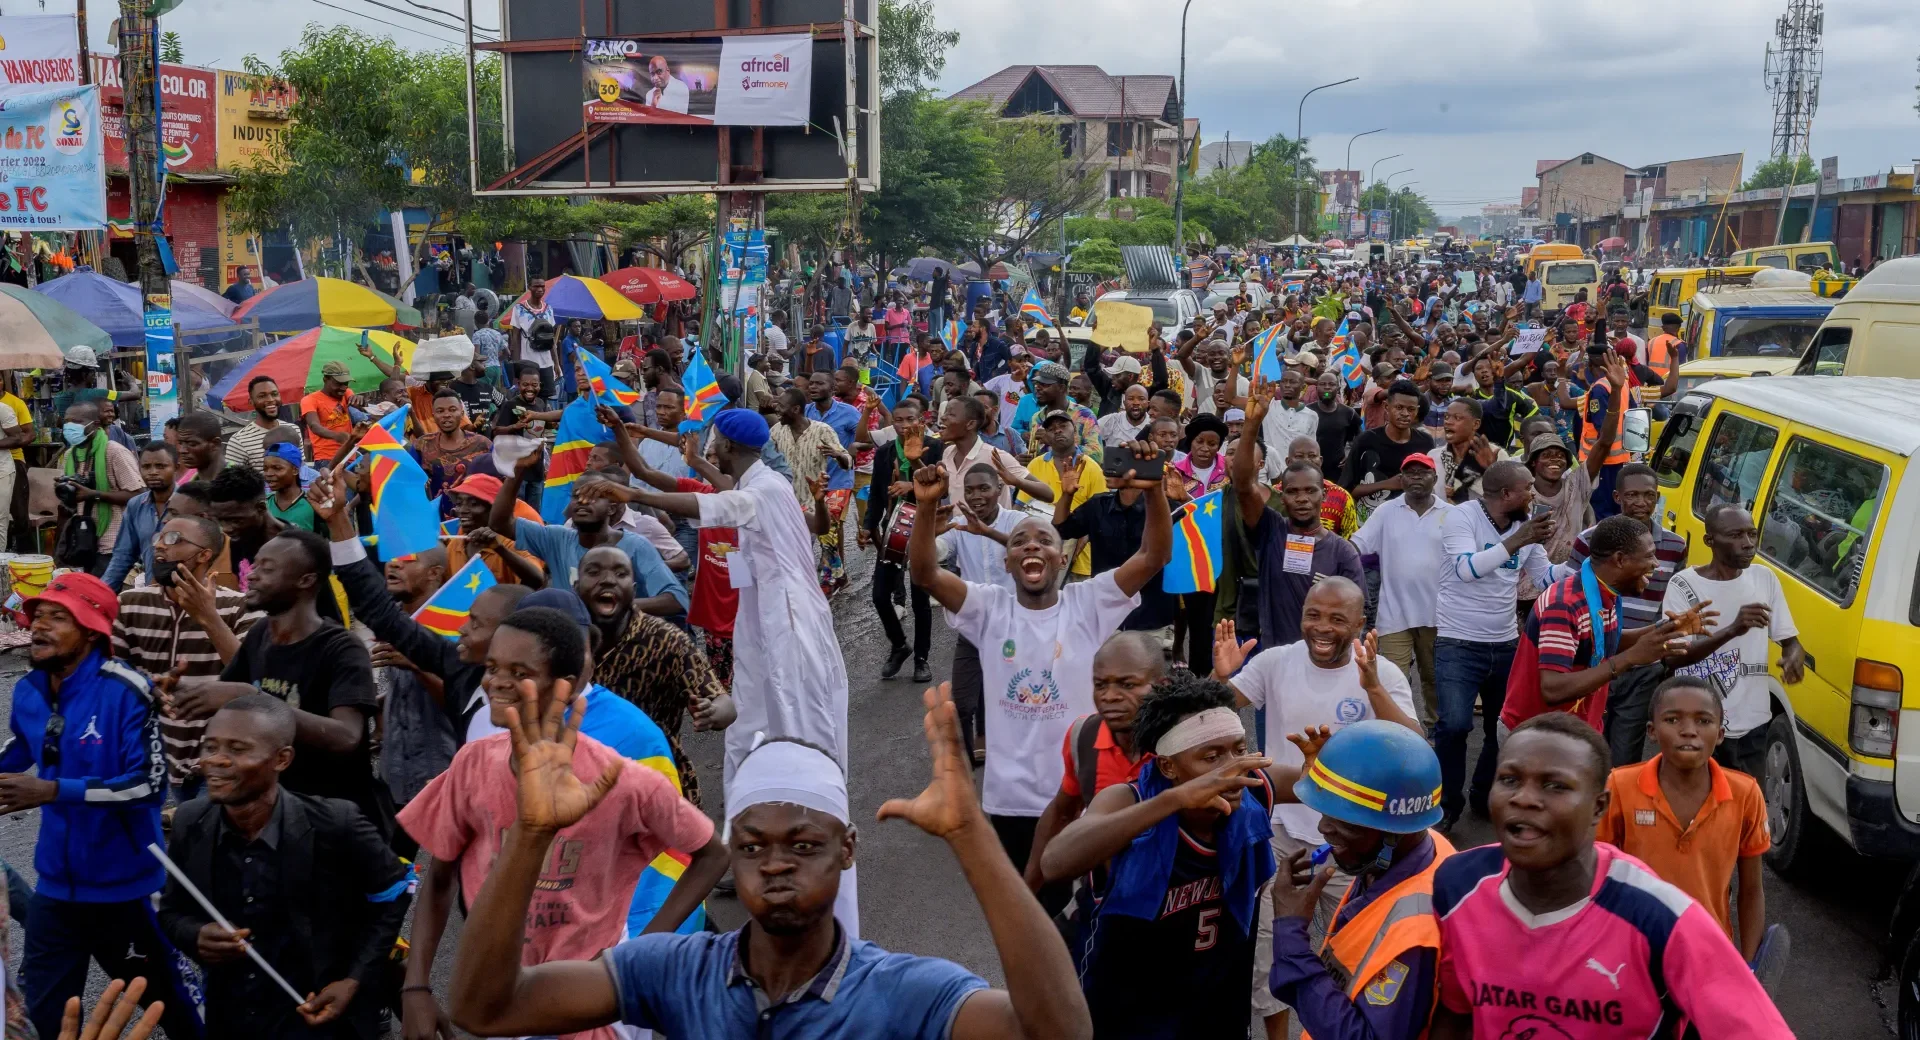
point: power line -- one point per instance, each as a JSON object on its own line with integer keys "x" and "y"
{"x": 477, "y": 27}
{"x": 382, "y": 21}
{"x": 430, "y": 21}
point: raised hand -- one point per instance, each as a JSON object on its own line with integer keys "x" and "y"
{"x": 1069, "y": 481}
{"x": 1616, "y": 373}
{"x": 609, "y": 418}
{"x": 1311, "y": 742}
{"x": 1219, "y": 789}
{"x": 948, "y": 803}
{"x": 111, "y": 1014}
{"x": 1259, "y": 399}
{"x": 1229, "y": 653}
{"x": 1143, "y": 452}
{"x": 1366, "y": 657}
{"x": 550, "y": 796}
{"x": 929, "y": 484}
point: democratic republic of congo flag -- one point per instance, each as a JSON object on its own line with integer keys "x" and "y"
{"x": 703, "y": 396}
{"x": 446, "y": 610}
{"x": 951, "y": 332}
{"x": 579, "y": 431}
{"x": 1352, "y": 365}
{"x": 607, "y": 389}
{"x": 395, "y": 422}
{"x": 403, "y": 519}
{"x": 382, "y": 439}
{"x": 1197, "y": 553}
{"x": 1267, "y": 357}
{"x": 1033, "y": 307}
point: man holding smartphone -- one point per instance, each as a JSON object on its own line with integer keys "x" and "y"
{"x": 1114, "y": 525}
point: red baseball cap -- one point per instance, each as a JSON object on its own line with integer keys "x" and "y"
{"x": 93, "y": 605}
{"x": 1422, "y": 458}
{"x": 479, "y": 485}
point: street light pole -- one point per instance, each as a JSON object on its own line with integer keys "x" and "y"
{"x": 1393, "y": 212}
{"x": 1180, "y": 157}
{"x": 1355, "y": 196}
{"x": 1371, "y": 179}
{"x": 1299, "y": 145}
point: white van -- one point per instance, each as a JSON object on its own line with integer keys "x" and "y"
{"x": 1874, "y": 330}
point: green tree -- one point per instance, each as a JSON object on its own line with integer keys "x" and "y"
{"x": 913, "y": 49}
{"x": 939, "y": 174}
{"x": 1261, "y": 192}
{"x": 172, "y": 50}
{"x": 810, "y": 220}
{"x": 1035, "y": 186}
{"x": 1775, "y": 172}
{"x": 1096, "y": 256}
{"x": 375, "y": 127}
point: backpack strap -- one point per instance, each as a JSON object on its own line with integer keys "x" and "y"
{"x": 1086, "y": 761}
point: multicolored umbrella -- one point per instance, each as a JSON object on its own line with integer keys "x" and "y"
{"x": 117, "y": 307}
{"x": 296, "y": 306}
{"x": 649, "y": 285}
{"x": 36, "y": 330}
{"x": 202, "y": 297}
{"x": 589, "y": 300}
{"x": 295, "y": 363}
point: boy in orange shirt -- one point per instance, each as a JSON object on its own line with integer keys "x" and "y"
{"x": 1688, "y": 819}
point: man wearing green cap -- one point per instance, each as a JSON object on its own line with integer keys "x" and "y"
{"x": 329, "y": 425}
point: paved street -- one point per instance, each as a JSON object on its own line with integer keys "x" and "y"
{"x": 915, "y": 900}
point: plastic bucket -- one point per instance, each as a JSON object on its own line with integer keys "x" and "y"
{"x": 30, "y": 574}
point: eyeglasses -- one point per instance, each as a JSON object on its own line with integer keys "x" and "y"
{"x": 174, "y": 538}
{"x": 50, "y": 741}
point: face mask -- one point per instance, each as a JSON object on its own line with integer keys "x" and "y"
{"x": 74, "y": 433}
{"x": 163, "y": 571}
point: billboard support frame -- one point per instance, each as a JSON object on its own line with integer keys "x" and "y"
{"x": 513, "y": 183}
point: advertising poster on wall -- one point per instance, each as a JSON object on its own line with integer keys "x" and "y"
{"x": 163, "y": 390}
{"x": 255, "y": 113}
{"x": 187, "y": 116}
{"x": 38, "y": 52}
{"x": 52, "y": 175}
{"x": 735, "y": 81}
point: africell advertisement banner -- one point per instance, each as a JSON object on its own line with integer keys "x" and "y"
{"x": 735, "y": 81}
{"x": 189, "y": 127}
{"x": 53, "y": 176}
{"x": 38, "y": 52}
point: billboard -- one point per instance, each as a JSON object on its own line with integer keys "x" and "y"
{"x": 253, "y": 117}
{"x": 1379, "y": 224}
{"x": 38, "y": 52}
{"x": 55, "y": 179}
{"x": 187, "y": 117}
{"x": 636, "y": 96}
{"x": 736, "y": 81}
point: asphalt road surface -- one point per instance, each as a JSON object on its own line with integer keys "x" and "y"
{"x": 915, "y": 900}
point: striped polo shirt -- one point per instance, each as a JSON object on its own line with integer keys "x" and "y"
{"x": 1638, "y": 611}
{"x": 1636, "y": 958}
{"x": 152, "y": 634}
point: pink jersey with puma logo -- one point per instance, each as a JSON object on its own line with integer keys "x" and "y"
{"x": 1639, "y": 958}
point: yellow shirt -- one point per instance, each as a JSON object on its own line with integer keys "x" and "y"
{"x": 1092, "y": 482}
{"x": 22, "y": 417}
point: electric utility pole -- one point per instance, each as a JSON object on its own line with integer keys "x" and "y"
{"x": 139, "y": 80}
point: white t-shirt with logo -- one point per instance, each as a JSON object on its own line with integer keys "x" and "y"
{"x": 1037, "y": 673}
{"x": 1298, "y": 693}
{"x": 1738, "y": 669}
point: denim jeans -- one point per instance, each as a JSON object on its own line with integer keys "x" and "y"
{"x": 1463, "y": 672}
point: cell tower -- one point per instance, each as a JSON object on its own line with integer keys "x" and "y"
{"x": 1792, "y": 74}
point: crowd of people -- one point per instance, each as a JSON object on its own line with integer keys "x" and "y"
{"x": 242, "y": 712}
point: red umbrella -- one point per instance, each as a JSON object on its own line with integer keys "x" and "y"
{"x": 648, "y": 285}
{"x": 1613, "y": 243}
{"x": 1334, "y": 243}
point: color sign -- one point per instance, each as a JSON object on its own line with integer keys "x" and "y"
{"x": 187, "y": 117}
{"x": 38, "y": 53}
{"x": 163, "y": 389}
{"x": 255, "y": 113}
{"x": 735, "y": 81}
{"x": 52, "y": 175}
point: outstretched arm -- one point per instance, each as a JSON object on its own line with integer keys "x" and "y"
{"x": 1156, "y": 543}
{"x": 1042, "y": 998}
{"x": 1244, "y": 473}
{"x": 923, "y": 557}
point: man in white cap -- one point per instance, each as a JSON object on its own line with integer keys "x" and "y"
{"x": 792, "y": 970}
{"x": 82, "y": 378}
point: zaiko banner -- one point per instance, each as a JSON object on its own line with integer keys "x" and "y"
{"x": 38, "y": 53}
{"x": 53, "y": 172}
{"x": 735, "y": 81}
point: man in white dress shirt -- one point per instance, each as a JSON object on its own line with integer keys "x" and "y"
{"x": 666, "y": 92}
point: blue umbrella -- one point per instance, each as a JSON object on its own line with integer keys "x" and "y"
{"x": 116, "y": 306}
{"x": 921, "y": 268}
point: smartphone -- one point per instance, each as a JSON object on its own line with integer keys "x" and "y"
{"x": 1119, "y": 460}
{"x": 1540, "y": 509}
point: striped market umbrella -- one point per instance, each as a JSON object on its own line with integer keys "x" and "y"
{"x": 298, "y": 306}
{"x": 118, "y": 308}
{"x": 295, "y": 363}
{"x": 649, "y": 285}
{"x": 37, "y": 330}
{"x": 589, "y": 299}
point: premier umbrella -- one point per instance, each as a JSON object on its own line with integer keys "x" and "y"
{"x": 589, "y": 299}
{"x": 310, "y": 302}
{"x": 296, "y": 363}
{"x": 117, "y": 307}
{"x": 649, "y": 285}
{"x": 37, "y": 330}
{"x": 923, "y": 268}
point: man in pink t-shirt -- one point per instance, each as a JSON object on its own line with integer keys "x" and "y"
{"x": 1551, "y": 936}
{"x": 581, "y": 901}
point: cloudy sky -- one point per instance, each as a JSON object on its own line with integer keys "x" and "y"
{"x": 1471, "y": 91}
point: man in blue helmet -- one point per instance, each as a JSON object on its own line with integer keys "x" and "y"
{"x": 1376, "y": 785}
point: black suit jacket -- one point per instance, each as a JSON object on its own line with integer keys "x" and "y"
{"x": 338, "y": 876}
{"x": 886, "y": 471}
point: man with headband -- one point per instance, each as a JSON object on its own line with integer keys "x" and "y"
{"x": 788, "y": 677}
{"x": 1187, "y": 851}
{"x": 792, "y": 970}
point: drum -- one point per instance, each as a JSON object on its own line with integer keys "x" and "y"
{"x": 893, "y": 549}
